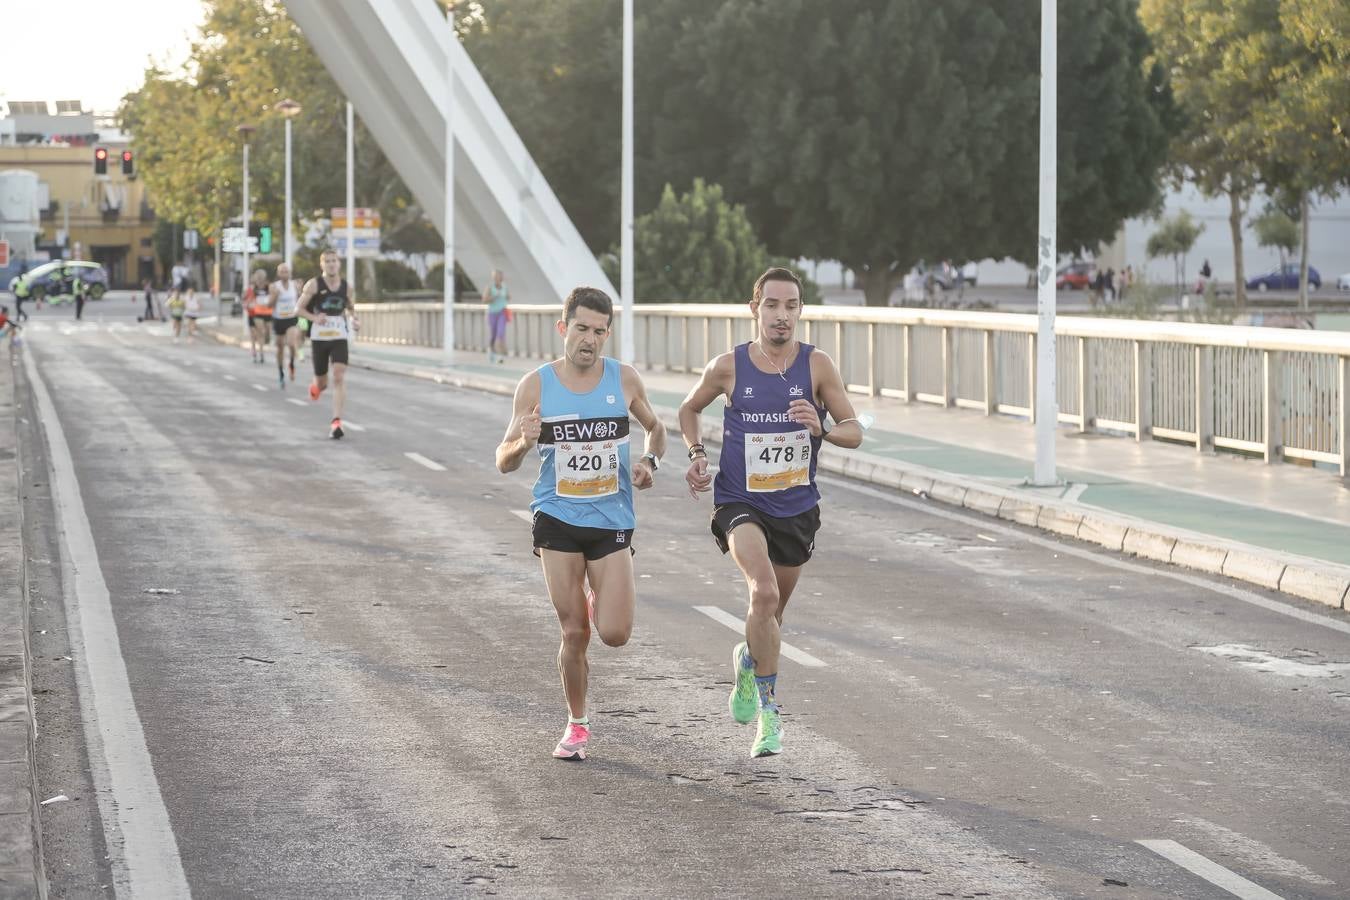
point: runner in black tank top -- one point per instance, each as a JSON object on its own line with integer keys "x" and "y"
{"x": 330, "y": 310}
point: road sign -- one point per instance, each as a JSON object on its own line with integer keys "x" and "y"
{"x": 4, "y": 254}
{"x": 365, "y": 247}
{"x": 191, "y": 239}
{"x": 232, "y": 240}
{"x": 361, "y": 218}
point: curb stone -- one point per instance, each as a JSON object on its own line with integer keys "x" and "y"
{"x": 1308, "y": 579}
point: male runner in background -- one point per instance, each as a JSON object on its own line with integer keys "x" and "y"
{"x": 575, "y": 411}
{"x": 327, "y": 302}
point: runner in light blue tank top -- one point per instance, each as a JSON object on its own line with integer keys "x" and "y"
{"x": 766, "y": 507}
{"x": 497, "y": 296}
{"x": 574, "y": 413}
{"x": 584, "y": 475}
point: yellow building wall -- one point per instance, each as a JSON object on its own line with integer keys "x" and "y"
{"x": 120, "y": 241}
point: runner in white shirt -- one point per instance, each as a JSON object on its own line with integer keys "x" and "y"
{"x": 285, "y": 296}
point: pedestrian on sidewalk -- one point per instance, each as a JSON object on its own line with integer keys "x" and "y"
{"x": 149, "y": 302}
{"x": 497, "y": 296}
{"x": 79, "y": 297}
{"x": 192, "y": 310}
{"x": 9, "y": 327}
{"x": 21, "y": 291}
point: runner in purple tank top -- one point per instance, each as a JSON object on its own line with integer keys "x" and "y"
{"x": 778, "y": 391}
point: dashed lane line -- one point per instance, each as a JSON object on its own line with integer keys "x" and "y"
{"x": 717, "y": 614}
{"x": 1209, "y": 870}
{"x": 258, "y": 387}
{"x": 523, "y": 514}
{"x": 296, "y": 402}
{"x": 423, "y": 461}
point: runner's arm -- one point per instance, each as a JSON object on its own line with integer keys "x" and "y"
{"x": 523, "y": 431}
{"x": 641, "y": 408}
{"x": 719, "y": 377}
{"x": 717, "y": 380}
{"x": 306, "y": 295}
{"x": 847, "y": 431}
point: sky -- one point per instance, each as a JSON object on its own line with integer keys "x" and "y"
{"x": 112, "y": 43}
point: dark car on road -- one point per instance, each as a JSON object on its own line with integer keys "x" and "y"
{"x": 1283, "y": 279}
{"x": 55, "y": 281}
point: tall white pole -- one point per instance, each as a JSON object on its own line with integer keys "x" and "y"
{"x": 1047, "y": 408}
{"x": 351, "y": 200}
{"x": 246, "y": 238}
{"x": 286, "y": 253}
{"x": 448, "y": 316}
{"x": 626, "y": 348}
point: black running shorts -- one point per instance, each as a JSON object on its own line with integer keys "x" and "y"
{"x": 281, "y": 326}
{"x": 326, "y": 352}
{"x": 792, "y": 540}
{"x": 592, "y": 543}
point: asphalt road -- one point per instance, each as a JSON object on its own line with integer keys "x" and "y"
{"x": 339, "y": 666}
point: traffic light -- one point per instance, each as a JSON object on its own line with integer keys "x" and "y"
{"x": 263, "y": 235}
{"x": 128, "y": 164}
{"x": 100, "y": 160}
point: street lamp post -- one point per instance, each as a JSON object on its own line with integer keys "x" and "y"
{"x": 246, "y": 132}
{"x": 1047, "y": 409}
{"x": 448, "y": 301}
{"x": 290, "y": 109}
{"x": 626, "y": 340}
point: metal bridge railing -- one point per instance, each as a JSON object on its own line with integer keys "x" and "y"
{"x": 1278, "y": 393}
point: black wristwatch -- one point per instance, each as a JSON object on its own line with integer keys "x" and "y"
{"x": 651, "y": 460}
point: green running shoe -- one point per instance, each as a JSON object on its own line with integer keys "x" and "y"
{"x": 769, "y": 736}
{"x": 744, "y": 700}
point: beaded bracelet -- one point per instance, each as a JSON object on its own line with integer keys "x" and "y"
{"x": 696, "y": 449}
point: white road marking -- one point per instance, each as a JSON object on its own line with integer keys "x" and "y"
{"x": 227, "y": 377}
{"x": 1068, "y": 548}
{"x": 423, "y": 461}
{"x": 1074, "y": 491}
{"x": 258, "y": 387}
{"x": 138, "y": 834}
{"x": 347, "y": 423}
{"x": 717, "y": 614}
{"x": 296, "y": 402}
{"x": 1209, "y": 870}
{"x": 523, "y": 514}
{"x": 1265, "y": 661}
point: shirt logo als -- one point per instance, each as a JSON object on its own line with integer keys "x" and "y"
{"x": 749, "y": 392}
{"x": 609, "y": 398}
{"x": 795, "y": 391}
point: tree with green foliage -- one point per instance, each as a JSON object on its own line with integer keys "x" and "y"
{"x": 900, "y": 131}
{"x": 1276, "y": 228}
{"x": 875, "y": 133}
{"x": 696, "y": 247}
{"x": 248, "y": 56}
{"x": 1175, "y": 237}
{"x": 1304, "y": 147}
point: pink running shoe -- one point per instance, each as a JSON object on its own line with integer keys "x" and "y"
{"x": 573, "y": 743}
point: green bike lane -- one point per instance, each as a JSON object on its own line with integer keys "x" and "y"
{"x": 1212, "y": 506}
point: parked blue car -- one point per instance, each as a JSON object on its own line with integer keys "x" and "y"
{"x": 55, "y": 281}
{"x": 1285, "y": 279}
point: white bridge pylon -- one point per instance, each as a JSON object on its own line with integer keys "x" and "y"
{"x": 388, "y": 57}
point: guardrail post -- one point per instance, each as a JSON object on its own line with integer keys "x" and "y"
{"x": 1143, "y": 390}
{"x": 1204, "y": 399}
{"x": 947, "y": 386}
{"x": 1031, "y": 376}
{"x": 1086, "y": 414}
{"x": 1272, "y": 415}
{"x": 873, "y": 361}
{"x": 1343, "y": 413}
{"x": 909, "y": 363}
{"x": 990, "y": 398}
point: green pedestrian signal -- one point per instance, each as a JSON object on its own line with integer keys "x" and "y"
{"x": 265, "y": 239}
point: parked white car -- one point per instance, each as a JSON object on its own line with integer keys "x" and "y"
{"x": 1343, "y": 283}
